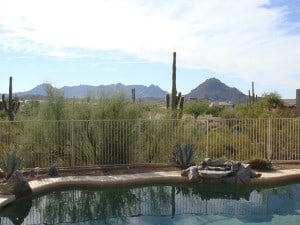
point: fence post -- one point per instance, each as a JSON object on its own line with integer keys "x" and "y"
{"x": 72, "y": 144}
{"x": 137, "y": 159}
{"x": 269, "y": 149}
{"x": 207, "y": 139}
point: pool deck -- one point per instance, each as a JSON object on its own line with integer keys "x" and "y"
{"x": 41, "y": 185}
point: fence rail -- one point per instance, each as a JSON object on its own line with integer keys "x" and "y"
{"x": 106, "y": 142}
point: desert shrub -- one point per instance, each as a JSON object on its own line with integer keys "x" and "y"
{"x": 214, "y": 110}
{"x": 260, "y": 164}
{"x": 230, "y": 113}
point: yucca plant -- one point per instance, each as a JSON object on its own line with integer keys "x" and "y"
{"x": 184, "y": 155}
{"x": 10, "y": 163}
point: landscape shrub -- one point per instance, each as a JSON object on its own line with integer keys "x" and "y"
{"x": 184, "y": 155}
{"x": 260, "y": 164}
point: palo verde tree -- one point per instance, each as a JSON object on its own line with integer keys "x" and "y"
{"x": 271, "y": 101}
{"x": 196, "y": 108}
{"x": 54, "y": 110}
{"x": 113, "y": 121}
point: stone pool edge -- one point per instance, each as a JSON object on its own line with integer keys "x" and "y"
{"x": 41, "y": 185}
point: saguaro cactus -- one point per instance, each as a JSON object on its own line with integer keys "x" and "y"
{"x": 12, "y": 105}
{"x": 252, "y": 98}
{"x": 167, "y": 100}
{"x": 133, "y": 95}
{"x": 181, "y": 107}
{"x": 175, "y": 99}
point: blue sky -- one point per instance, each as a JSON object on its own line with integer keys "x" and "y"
{"x": 72, "y": 42}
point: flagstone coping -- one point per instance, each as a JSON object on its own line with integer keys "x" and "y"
{"x": 41, "y": 185}
{"x": 6, "y": 199}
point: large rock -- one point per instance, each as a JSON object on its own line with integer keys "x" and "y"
{"x": 220, "y": 171}
{"x": 53, "y": 172}
{"x": 193, "y": 174}
{"x": 244, "y": 173}
{"x": 18, "y": 185}
{"x": 214, "y": 174}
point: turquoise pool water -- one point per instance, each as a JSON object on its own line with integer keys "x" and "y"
{"x": 163, "y": 204}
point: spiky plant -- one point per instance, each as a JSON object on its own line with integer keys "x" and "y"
{"x": 11, "y": 163}
{"x": 184, "y": 155}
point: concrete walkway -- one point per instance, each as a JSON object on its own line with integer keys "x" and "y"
{"x": 41, "y": 185}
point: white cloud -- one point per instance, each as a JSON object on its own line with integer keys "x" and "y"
{"x": 229, "y": 36}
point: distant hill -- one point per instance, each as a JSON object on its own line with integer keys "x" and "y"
{"x": 82, "y": 91}
{"x": 214, "y": 90}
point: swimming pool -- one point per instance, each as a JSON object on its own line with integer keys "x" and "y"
{"x": 160, "y": 204}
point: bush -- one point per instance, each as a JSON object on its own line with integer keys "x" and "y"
{"x": 260, "y": 164}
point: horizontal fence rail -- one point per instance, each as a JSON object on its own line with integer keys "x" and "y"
{"x": 107, "y": 142}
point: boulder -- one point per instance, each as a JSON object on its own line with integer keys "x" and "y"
{"x": 244, "y": 173}
{"x": 53, "y": 172}
{"x": 193, "y": 174}
{"x": 18, "y": 185}
{"x": 221, "y": 171}
{"x": 213, "y": 174}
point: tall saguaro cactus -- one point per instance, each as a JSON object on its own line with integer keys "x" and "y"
{"x": 167, "y": 100}
{"x": 133, "y": 95}
{"x": 175, "y": 99}
{"x": 12, "y": 105}
{"x": 252, "y": 98}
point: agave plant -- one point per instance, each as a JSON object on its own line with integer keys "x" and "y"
{"x": 11, "y": 163}
{"x": 184, "y": 155}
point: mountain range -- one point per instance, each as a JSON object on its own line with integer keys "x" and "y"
{"x": 212, "y": 89}
{"x": 82, "y": 91}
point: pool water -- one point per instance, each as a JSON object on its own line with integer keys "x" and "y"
{"x": 160, "y": 204}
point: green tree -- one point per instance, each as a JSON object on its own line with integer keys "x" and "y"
{"x": 112, "y": 120}
{"x": 52, "y": 132}
{"x": 214, "y": 110}
{"x": 196, "y": 108}
{"x": 30, "y": 110}
{"x": 271, "y": 101}
{"x": 54, "y": 108}
{"x": 268, "y": 105}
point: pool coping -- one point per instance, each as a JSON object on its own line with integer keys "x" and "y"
{"x": 41, "y": 185}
